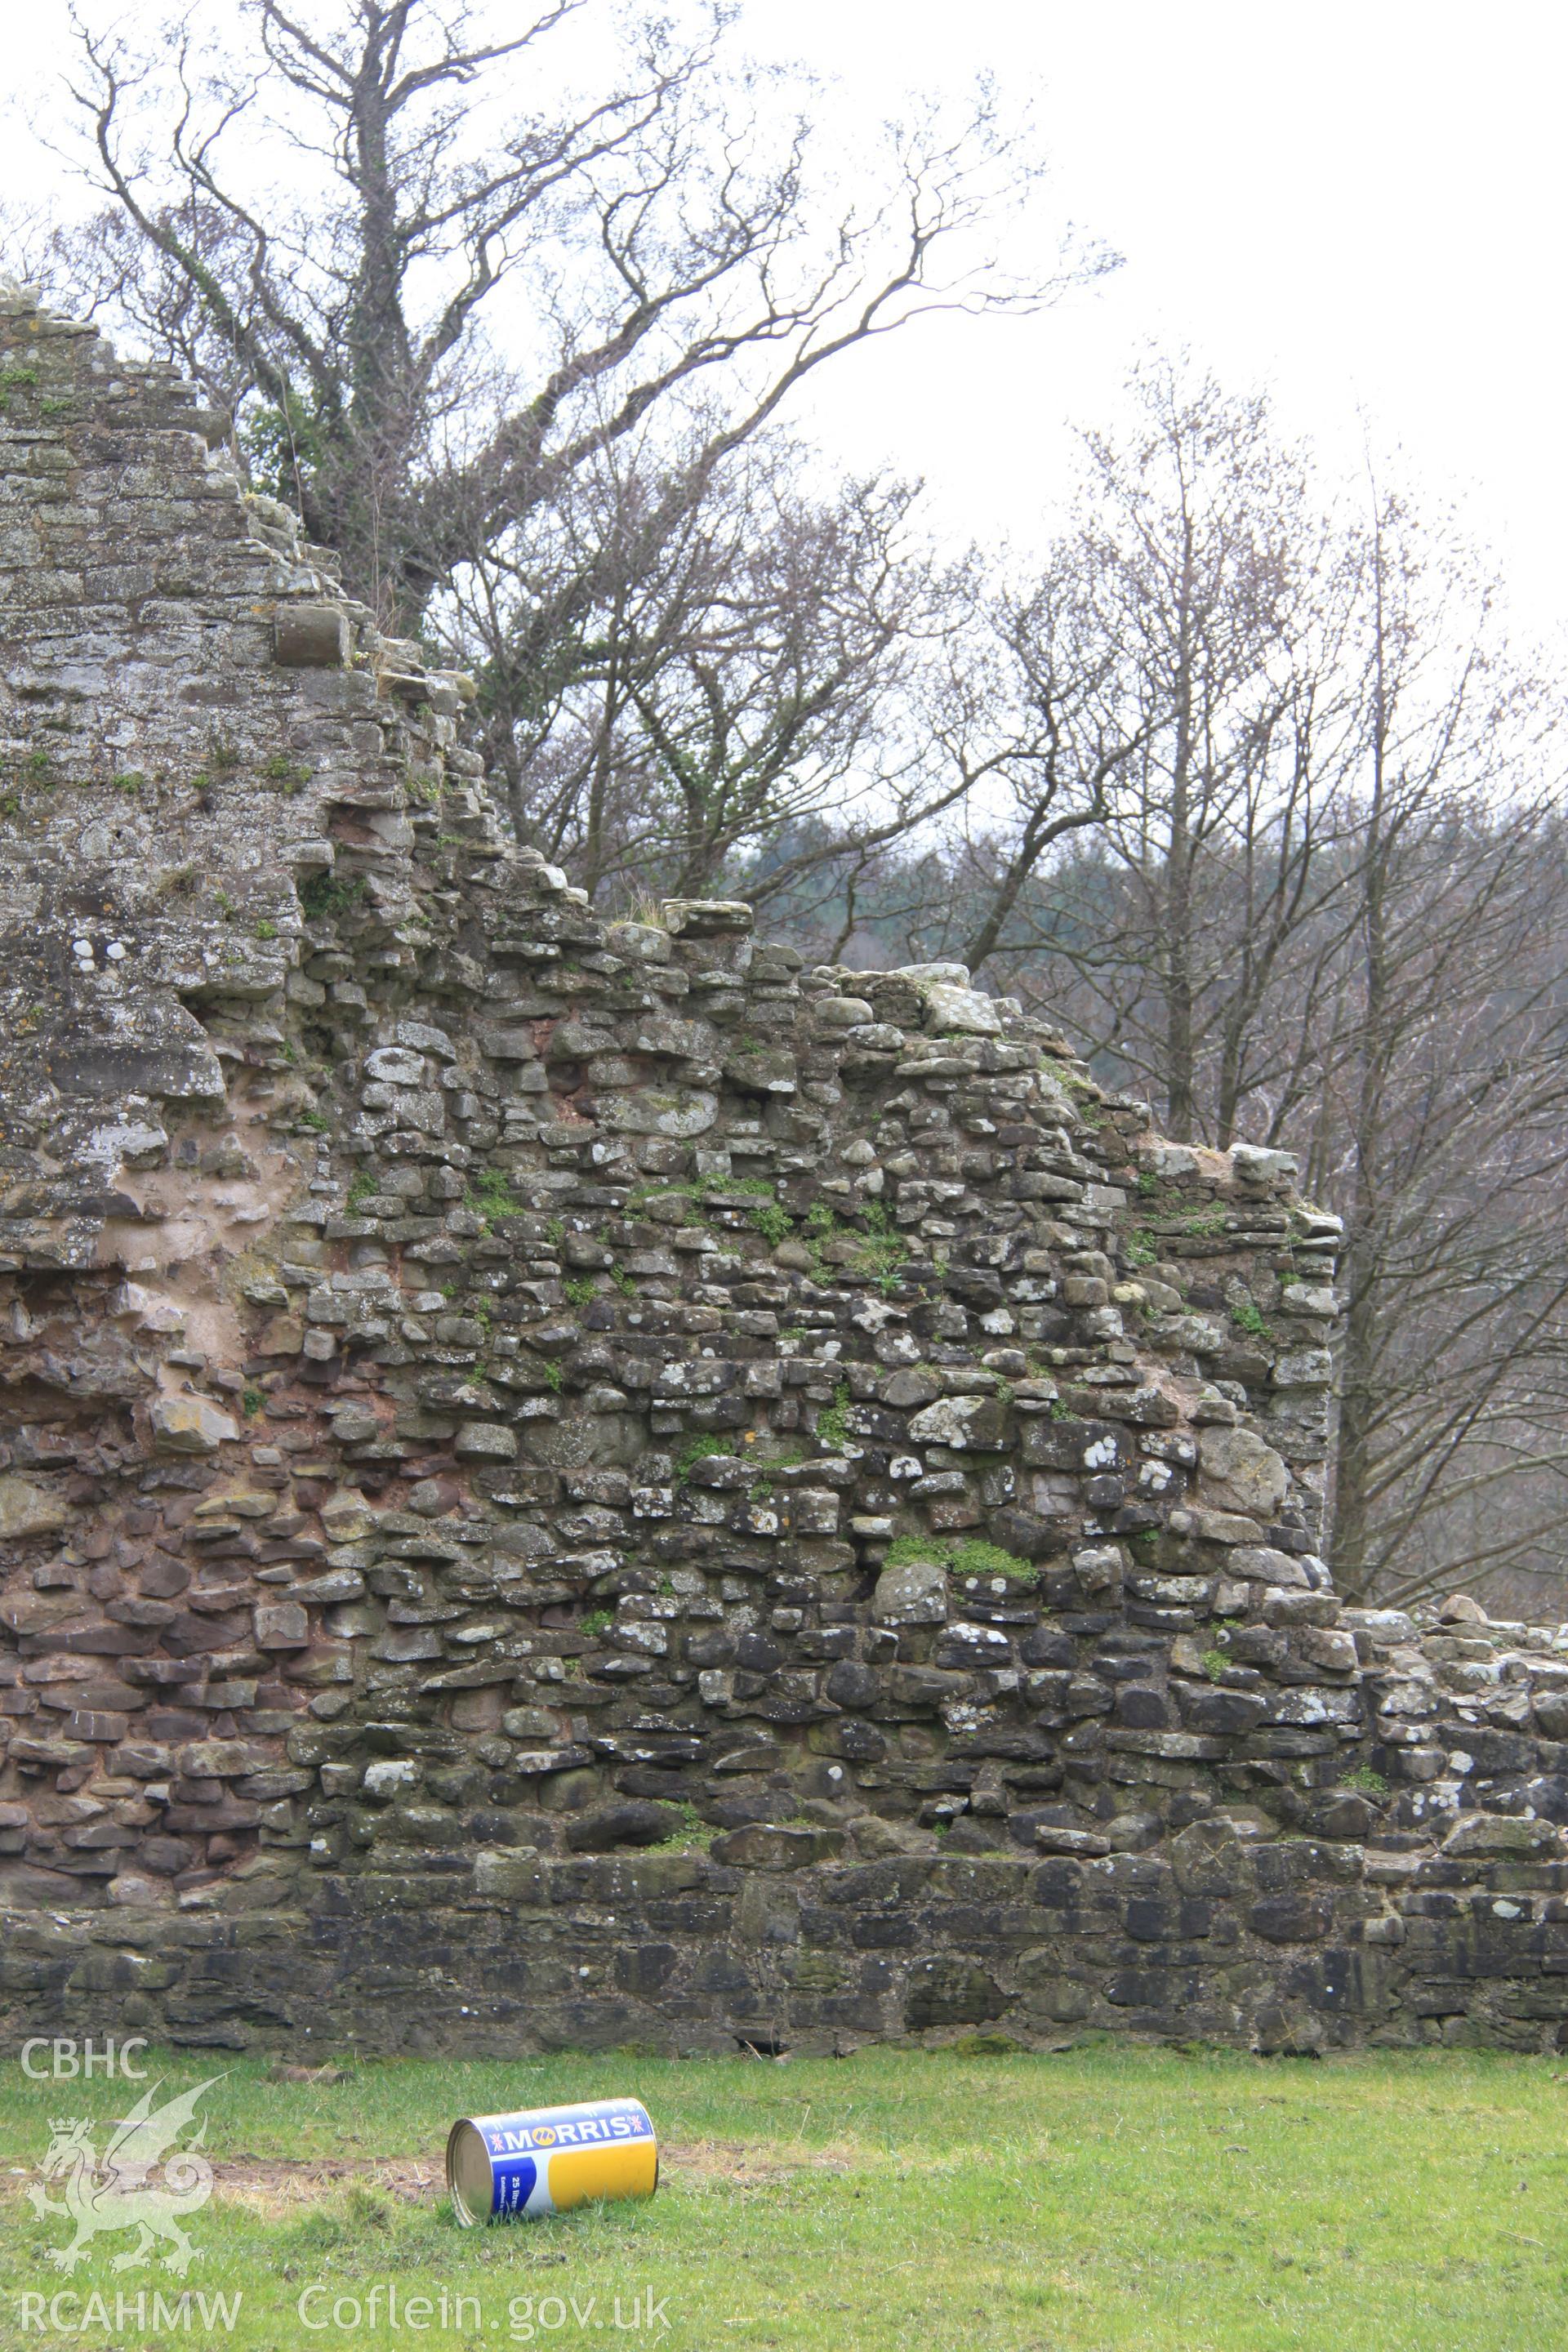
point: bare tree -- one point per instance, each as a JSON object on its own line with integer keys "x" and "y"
{"x": 329, "y": 217}
{"x": 1026, "y": 720}
{"x": 1024, "y": 746}
{"x": 711, "y": 675}
{"x": 1219, "y": 602}
{"x": 1374, "y": 915}
{"x": 1320, "y": 904}
{"x": 682, "y": 662}
{"x": 1441, "y": 1126}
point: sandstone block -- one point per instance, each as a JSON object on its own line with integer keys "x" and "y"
{"x": 189, "y": 1425}
{"x": 312, "y": 636}
{"x": 962, "y": 1009}
{"x": 29, "y": 1508}
{"x": 1240, "y": 1473}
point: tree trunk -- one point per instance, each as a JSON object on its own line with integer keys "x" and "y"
{"x": 1181, "y": 1089}
{"x": 1352, "y": 1548}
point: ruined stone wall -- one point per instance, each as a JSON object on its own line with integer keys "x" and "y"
{"x": 569, "y": 1481}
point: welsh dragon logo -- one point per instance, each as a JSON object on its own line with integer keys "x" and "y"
{"x": 125, "y": 2192}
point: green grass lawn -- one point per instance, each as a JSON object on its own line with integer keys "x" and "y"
{"x": 1107, "y": 2200}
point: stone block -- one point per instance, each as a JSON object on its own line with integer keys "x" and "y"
{"x": 967, "y": 1424}
{"x": 637, "y": 1821}
{"x": 281, "y": 1625}
{"x": 190, "y": 1424}
{"x": 912, "y": 1594}
{"x": 703, "y": 919}
{"x": 485, "y": 1441}
{"x": 312, "y": 636}
{"x": 1240, "y": 1473}
{"x": 762, "y": 1846}
{"x": 1503, "y": 1837}
{"x": 1252, "y": 1164}
{"x": 29, "y": 1508}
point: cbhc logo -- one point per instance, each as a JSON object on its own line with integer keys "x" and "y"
{"x": 67, "y": 2060}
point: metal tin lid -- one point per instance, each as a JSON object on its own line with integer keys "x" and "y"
{"x": 469, "y": 2181}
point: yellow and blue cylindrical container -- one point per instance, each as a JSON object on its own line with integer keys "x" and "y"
{"x": 546, "y": 2159}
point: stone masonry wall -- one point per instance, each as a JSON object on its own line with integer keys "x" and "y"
{"x": 568, "y": 1482}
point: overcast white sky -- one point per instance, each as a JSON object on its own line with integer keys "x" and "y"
{"x": 1360, "y": 202}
